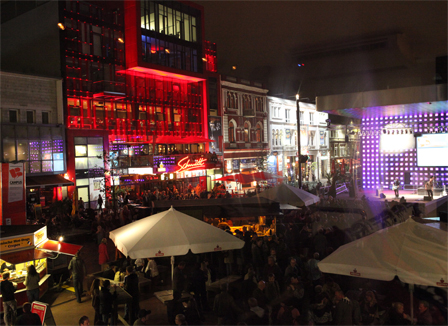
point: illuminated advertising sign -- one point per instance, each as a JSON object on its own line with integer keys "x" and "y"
{"x": 185, "y": 164}
{"x": 140, "y": 170}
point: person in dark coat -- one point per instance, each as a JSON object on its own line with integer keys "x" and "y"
{"x": 28, "y": 318}
{"x": 174, "y": 307}
{"x": 179, "y": 278}
{"x": 198, "y": 280}
{"x": 343, "y": 313}
{"x": 130, "y": 285}
{"x": 396, "y": 315}
{"x": 78, "y": 269}
{"x": 7, "y": 289}
{"x": 225, "y": 308}
{"x": 106, "y": 303}
{"x": 424, "y": 316}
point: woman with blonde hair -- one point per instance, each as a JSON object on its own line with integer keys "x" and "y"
{"x": 369, "y": 308}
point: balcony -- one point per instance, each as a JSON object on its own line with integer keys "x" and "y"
{"x": 248, "y": 113}
{"x": 109, "y": 90}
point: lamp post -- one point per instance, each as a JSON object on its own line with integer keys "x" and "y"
{"x": 298, "y": 139}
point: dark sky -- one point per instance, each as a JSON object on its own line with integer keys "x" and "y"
{"x": 259, "y": 36}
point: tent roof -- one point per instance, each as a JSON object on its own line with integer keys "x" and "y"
{"x": 415, "y": 252}
{"x": 285, "y": 194}
{"x": 171, "y": 233}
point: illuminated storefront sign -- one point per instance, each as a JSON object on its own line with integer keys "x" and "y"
{"x": 140, "y": 170}
{"x": 185, "y": 165}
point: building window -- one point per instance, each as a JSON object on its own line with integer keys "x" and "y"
{"x": 259, "y": 104}
{"x": 231, "y": 132}
{"x": 88, "y": 153}
{"x": 247, "y": 105}
{"x": 246, "y": 132}
{"x": 280, "y": 137}
{"x": 13, "y": 116}
{"x": 259, "y": 134}
{"x": 287, "y": 114}
{"x": 302, "y": 121}
{"x": 311, "y": 118}
{"x": 231, "y": 100}
{"x": 45, "y": 117}
{"x": 273, "y": 137}
{"x": 30, "y": 116}
{"x": 311, "y": 138}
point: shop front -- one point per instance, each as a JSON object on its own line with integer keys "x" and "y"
{"x": 25, "y": 245}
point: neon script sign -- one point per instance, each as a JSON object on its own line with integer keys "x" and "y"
{"x": 185, "y": 165}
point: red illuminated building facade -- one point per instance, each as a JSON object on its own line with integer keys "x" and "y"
{"x": 136, "y": 105}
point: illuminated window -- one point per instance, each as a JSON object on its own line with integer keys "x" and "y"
{"x": 259, "y": 134}
{"x": 231, "y": 132}
{"x": 246, "y": 132}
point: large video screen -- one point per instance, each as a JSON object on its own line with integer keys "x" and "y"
{"x": 432, "y": 150}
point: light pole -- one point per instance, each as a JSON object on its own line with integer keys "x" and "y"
{"x": 298, "y": 139}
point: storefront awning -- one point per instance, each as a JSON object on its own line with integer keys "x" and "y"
{"x": 60, "y": 247}
{"x": 47, "y": 180}
{"x": 23, "y": 256}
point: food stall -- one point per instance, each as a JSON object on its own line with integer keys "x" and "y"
{"x": 25, "y": 245}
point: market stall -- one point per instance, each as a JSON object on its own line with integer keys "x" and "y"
{"x": 25, "y": 245}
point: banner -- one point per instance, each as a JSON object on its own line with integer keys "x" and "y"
{"x": 15, "y": 182}
{"x": 214, "y": 131}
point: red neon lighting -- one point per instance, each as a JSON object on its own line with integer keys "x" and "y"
{"x": 160, "y": 73}
{"x": 187, "y": 166}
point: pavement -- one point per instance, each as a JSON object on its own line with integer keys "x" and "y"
{"x": 67, "y": 311}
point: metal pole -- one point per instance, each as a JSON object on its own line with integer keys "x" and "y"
{"x": 298, "y": 140}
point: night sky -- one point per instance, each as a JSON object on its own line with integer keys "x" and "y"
{"x": 259, "y": 37}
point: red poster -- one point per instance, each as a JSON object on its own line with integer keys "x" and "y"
{"x": 40, "y": 309}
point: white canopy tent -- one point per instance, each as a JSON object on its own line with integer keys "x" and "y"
{"x": 285, "y": 194}
{"x": 171, "y": 233}
{"x": 415, "y": 252}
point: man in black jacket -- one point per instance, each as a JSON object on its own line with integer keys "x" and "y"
{"x": 131, "y": 287}
{"x": 106, "y": 303}
{"x": 28, "y": 318}
{"x": 9, "y": 301}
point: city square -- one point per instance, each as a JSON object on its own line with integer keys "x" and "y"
{"x": 224, "y": 163}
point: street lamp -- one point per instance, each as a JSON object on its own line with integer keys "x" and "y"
{"x": 298, "y": 139}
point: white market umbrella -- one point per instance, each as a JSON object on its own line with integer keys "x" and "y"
{"x": 415, "y": 252}
{"x": 171, "y": 233}
{"x": 285, "y": 194}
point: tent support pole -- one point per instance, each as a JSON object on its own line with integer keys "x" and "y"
{"x": 172, "y": 269}
{"x": 411, "y": 292}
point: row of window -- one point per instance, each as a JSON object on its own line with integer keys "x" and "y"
{"x": 246, "y": 132}
{"x": 290, "y": 137}
{"x": 28, "y": 116}
{"x": 247, "y": 101}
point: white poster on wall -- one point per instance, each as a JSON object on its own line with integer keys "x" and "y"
{"x": 16, "y": 177}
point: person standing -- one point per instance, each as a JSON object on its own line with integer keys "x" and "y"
{"x": 78, "y": 269}
{"x": 103, "y": 254}
{"x": 395, "y": 187}
{"x": 130, "y": 285}
{"x": 106, "y": 303}
{"x": 95, "y": 294}
{"x": 100, "y": 202}
{"x": 32, "y": 284}
{"x": 152, "y": 272}
{"x": 429, "y": 186}
{"x": 179, "y": 278}
{"x": 7, "y": 289}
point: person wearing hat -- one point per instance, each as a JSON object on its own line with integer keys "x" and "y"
{"x": 143, "y": 317}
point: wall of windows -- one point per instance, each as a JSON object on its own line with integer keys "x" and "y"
{"x": 169, "y": 18}
{"x": 42, "y": 148}
{"x": 89, "y": 159}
